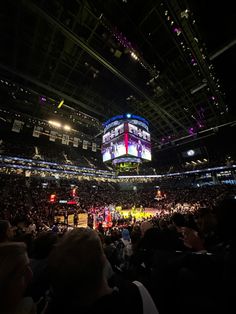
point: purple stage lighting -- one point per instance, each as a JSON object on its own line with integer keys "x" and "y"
{"x": 191, "y": 131}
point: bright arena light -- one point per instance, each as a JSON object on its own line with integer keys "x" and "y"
{"x": 67, "y": 127}
{"x": 55, "y": 123}
{"x": 134, "y": 56}
{"x": 191, "y": 152}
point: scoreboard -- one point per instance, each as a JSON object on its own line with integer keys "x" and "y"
{"x": 126, "y": 136}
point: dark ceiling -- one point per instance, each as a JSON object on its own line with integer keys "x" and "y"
{"x": 153, "y": 58}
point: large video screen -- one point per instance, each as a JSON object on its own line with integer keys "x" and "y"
{"x": 113, "y": 133}
{"x": 113, "y": 149}
{"x": 126, "y": 139}
{"x": 140, "y": 132}
{"x": 139, "y": 148}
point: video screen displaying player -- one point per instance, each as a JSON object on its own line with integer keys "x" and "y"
{"x": 113, "y": 149}
{"x": 139, "y": 148}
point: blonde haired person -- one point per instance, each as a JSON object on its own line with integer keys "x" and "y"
{"x": 15, "y": 275}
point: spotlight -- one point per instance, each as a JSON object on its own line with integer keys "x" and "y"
{"x": 55, "y": 123}
{"x": 191, "y": 152}
{"x": 67, "y": 127}
{"x": 134, "y": 56}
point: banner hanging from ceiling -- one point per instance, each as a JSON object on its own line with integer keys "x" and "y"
{"x": 65, "y": 139}
{"x": 85, "y": 144}
{"x": 17, "y": 126}
{"x": 75, "y": 142}
{"x": 94, "y": 147}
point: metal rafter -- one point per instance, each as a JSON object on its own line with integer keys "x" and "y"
{"x": 53, "y": 90}
{"x": 163, "y": 113}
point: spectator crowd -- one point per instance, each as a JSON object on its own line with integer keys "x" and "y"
{"x": 180, "y": 260}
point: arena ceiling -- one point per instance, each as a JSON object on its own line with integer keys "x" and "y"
{"x": 171, "y": 62}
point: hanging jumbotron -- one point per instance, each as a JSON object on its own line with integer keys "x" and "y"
{"x": 126, "y": 141}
